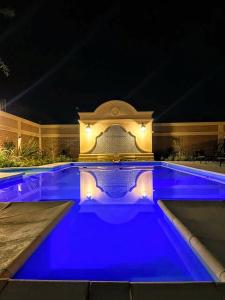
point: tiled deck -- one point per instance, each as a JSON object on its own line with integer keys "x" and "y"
{"x": 23, "y": 226}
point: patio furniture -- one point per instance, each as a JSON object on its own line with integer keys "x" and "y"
{"x": 221, "y": 159}
{"x": 199, "y": 155}
{"x": 218, "y": 155}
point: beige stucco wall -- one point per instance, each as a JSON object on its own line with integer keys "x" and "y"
{"x": 58, "y": 137}
{"x": 52, "y": 139}
{"x": 12, "y": 128}
{"x": 192, "y": 135}
{"x": 7, "y": 136}
{"x": 54, "y": 146}
{"x": 115, "y": 112}
{"x": 88, "y": 141}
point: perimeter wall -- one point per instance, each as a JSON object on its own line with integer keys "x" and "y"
{"x": 64, "y": 139}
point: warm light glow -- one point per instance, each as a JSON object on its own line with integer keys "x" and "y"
{"x": 144, "y": 194}
{"x": 143, "y": 127}
{"x": 88, "y": 128}
{"x": 19, "y": 187}
{"x": 107, "y": 193}
{"x": 19, "y": 142}
{"x": 89, "y": 195}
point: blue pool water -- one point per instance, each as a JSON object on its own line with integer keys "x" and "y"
{"x": 115, "y": 229}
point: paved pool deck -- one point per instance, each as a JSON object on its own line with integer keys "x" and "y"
{"x": 23, "y": 225}
{"x": 83, "y": 290}
{"x": 208, "y": 166}
{"x": 202, "y": 224}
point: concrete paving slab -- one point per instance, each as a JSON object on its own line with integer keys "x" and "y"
{"x": 175, "y": 291}
{"x": 221, "y": 288}
{"x": 202, "y": 224}
{"x": 198, "y": 210}
{"x": 3, "y": 282}
{"x": 23, "y": 225}
{"x": 109, "y": 291}
{"x": 3, "y": 205}
{"x": 41, "y": 290}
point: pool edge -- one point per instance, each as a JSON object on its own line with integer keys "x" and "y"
{"x": 215, "y": 266}
{"x": 15, "y": 264}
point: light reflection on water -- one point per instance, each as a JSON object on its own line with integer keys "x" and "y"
{"x": 112, "y": 184}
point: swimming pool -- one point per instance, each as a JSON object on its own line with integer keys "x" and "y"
{"x": 115, "y": 231}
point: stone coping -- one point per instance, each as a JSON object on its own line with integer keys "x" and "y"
{"x": 201, "y": 223}
{"x": 85, "y": 290}
{"x": 77, "y": 163}
{"x": 215, "y": 176}
{"x": 56, "y": 165}
{"x": 6, "y": 177}
{"x": 23, "y": 226}
{"x": 47, "y": 166}
{"x": 7, "y": 174}
{"x": 207, "y": 166}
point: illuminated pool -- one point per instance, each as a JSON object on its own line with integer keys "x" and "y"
{"x": 115, "y": 230}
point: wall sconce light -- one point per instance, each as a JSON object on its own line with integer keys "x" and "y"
{"x": 88, "y": 128}
{"x": 143, "y": 127}
{"x": 19, "y": 142}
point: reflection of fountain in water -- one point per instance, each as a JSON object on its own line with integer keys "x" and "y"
{"x": 116, "y": 185}
{"x": 109, "y": 192}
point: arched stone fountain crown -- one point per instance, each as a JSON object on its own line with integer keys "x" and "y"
{"x": 136, "y": 130}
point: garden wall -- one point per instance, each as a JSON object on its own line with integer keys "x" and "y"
{"x": 61, "y": 139}
{"x": 18, "y": 130}
{"x": 192, "y": 136}
{"x": 64, "y": 139}
{"x": 52, "y": 139}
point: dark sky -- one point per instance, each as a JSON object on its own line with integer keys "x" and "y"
{"x": 68, "y": 55}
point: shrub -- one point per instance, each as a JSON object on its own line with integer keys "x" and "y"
{"x": 164, "y": 155}
{"x": 176, "y": 152}
{"x": 29, "y": 155}
{"x": 30, "y": 150}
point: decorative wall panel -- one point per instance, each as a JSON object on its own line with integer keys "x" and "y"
{"x": 115, "y": 140}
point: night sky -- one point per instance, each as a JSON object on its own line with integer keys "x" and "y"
{"x": 70, "y": 55}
